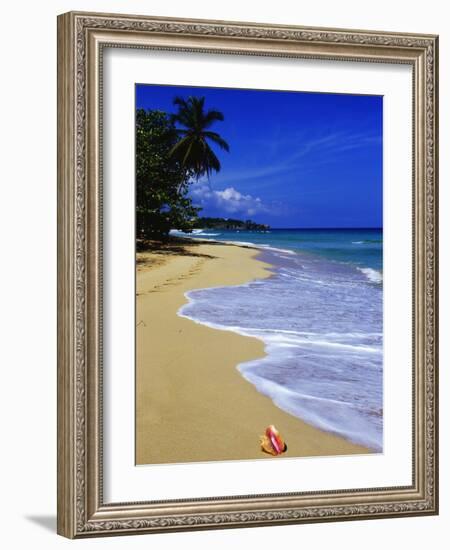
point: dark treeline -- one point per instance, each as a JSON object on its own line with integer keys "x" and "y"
{"x": 230, "y": 223}
{"x": 173, "y": 151}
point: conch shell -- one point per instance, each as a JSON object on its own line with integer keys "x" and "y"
{"x": 272, "y": 442}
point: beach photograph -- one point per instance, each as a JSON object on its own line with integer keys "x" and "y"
{"x": 259, "y": 274}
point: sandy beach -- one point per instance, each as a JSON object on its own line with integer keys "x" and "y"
{"x": 192, "y": 404}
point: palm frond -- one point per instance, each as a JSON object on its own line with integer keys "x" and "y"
{"x": 214, "y": 136}
{"x": 212, "y": 116}
{"x": 180, "y": 102}
{"x": 193, "y": 150}
{"x": 211, "y": 161}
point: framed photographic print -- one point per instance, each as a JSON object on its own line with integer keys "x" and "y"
{"x": 247, "y": 276}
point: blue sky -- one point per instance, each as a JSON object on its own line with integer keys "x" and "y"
{"x": 296, "y": 159}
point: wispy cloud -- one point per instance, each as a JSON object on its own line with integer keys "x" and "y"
{"x": 322, "y": 149}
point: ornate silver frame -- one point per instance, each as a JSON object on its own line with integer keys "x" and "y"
{"x": 81, "y": 510}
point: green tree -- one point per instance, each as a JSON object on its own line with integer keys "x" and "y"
{"x": 162, "y": 182}
{"x": 193, "y": 151}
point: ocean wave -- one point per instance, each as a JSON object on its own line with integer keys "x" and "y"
{"x": 323, "y": 342}
{"x": 193, "y": 233}
{"x": 274, "y": 249}
{"x": 262, "y": 247}
{"x": 331, "y": 415}
{"x": 368, "y": 241}
{"x": 373, "y": 275}
{"x": 241, "y": 243}
{"x": 284, "y": 338}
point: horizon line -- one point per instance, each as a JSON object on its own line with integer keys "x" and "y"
{"x": 315, "y": 228}
{"x": 331, "y": 227}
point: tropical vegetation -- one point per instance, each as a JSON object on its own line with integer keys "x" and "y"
{"x": 230, "y": 223}
{"x": 193, "y": 150}
{"x": 173, "y": 151}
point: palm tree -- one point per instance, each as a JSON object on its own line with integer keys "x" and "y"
{"x": 193, "y": 150}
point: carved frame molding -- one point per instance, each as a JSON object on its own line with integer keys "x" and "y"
{"x": 81, "y": 39}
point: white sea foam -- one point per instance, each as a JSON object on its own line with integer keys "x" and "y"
{"x": 282, "y": 338}
{"x": 274, "y": 249}
{"x": 194, "y": 233}
{"x": 323, "y": 343}
{"x": 331, "y": 415}
{"x": 373, "y": 275}
{"x": 262, "y": 247}
{"x": 241, "y": 243}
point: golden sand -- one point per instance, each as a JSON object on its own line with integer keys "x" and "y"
{"x": 192, "y": 404}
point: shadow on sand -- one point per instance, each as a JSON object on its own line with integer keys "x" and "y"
{"x": 174, "y": 247}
